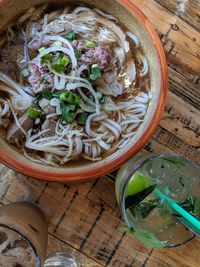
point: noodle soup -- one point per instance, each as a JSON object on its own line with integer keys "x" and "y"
{"x": 74, "y": 84}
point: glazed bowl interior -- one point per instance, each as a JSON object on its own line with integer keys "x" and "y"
{"x": 137, "y": 23}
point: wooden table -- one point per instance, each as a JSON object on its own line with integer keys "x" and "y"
{"x": 84, "y": 219}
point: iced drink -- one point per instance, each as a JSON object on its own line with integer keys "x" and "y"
{"x": 23, "y": 235}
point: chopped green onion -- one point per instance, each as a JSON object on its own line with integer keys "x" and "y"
{"x": 57, "y": 68}
{"x": 64, "y": 61}
{"x": 47, "y": 94}
{"x": 71, "y": 107}
{"x": 90, "y": 44}
{"x": 95, "y": 72}
{"x": 59, "y": 63}
{"x": 82, "y": 118}
{"x": 33, "y": 113}
{"x": 68, "y": 96}
{"x": 41, "y": 49}
{"x": 77, "y": 53}
{"x": 57, "y": 94}
{"x": 70, "y": 35}
{"x": 77, "y": 99}
{"x": 25, "y": 72}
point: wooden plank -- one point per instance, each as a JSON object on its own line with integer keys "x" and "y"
{"x": 17, "y": 187}
{"x": 189, "y": 11}
{"x": 153, "y": 10}
{"x": 187, "y": 90}
{"x": 182, "y": 120}
{"x": 176, "y": 145}
{"x": 180, "y": 40}
{"x": 180, "y": 256}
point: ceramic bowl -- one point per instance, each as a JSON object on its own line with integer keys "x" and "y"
{"x": 137, "y": 23}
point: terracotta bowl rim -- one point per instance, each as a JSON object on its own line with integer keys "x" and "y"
{"x": 85, "y": 175}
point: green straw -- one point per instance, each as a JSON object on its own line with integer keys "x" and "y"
{"x": 187, "y": 219}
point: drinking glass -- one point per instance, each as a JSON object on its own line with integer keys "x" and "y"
{"x": 61, "y": 259}
{"x": 147, "y": 217}
{"x": 23, "y": 235}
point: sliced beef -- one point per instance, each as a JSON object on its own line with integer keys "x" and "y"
{"x": 14, "y": 133}
{"x": 109, "y": 85}
{"x": 4, "y": 122}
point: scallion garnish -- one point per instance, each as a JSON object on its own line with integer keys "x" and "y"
{"x": 90, "y": 44}
{"x": 70, "y": 97}
{"x": 47, "y": 94}
{"x": 58, "y": 64}
{"x": 57, "y": 94}
{"x": 33, "y": 113}
{"x": 82, "y": 118}
{"x": 77, "y": 53}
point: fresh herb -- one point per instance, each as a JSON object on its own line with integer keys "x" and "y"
{"x": 95, "y": 72}
{"x": 46, "y": 60}
{"x": 70, "y": 36}
{"x": 192, "y": 205}
{"x": 77, "y": 53}
{"x": 82, "y": 118}
{"x": 33, "y": 113}
{"x": 144, "y": 208}
{"x": 90, "y": 44}
{"x": 47, "y": 94}
{"x": 177, "y": 162}
{"x": 133, "y": 200}
{"x": 181, "y": 181}
{"x": 68, "y": 113}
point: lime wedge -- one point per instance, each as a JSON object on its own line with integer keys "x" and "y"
{"x": 136, "y": 184}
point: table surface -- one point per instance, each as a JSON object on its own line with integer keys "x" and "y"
{"x": 84, "y": 219}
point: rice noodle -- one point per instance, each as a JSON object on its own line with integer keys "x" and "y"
{"x": 80, "y": 9}
{"x": 4, "y": 107}
{"x": 108, "y": 16}
{"x": 133, "y": 38}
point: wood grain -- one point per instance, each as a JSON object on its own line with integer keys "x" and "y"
{"x": 84, "y": 220}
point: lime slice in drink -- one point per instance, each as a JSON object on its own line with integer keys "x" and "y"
{"x": 136, "y": 184}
